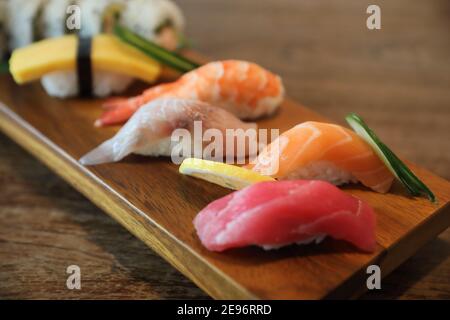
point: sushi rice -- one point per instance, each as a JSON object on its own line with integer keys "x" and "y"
{"x": 64, "y": 84}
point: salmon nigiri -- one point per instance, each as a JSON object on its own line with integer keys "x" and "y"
{"x": 243, "y": 88}
{"x": 150, "y": 130}
{"x": 275, "y": 214}
{"x": 324, "y": 151}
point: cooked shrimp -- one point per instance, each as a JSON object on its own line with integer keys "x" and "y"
{"x": 242, "y": 88}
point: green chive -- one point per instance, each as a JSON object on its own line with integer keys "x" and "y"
{"x": 414, "y": 185}
{"x": 4, "y": 67}
{"x": 156, "y": 52}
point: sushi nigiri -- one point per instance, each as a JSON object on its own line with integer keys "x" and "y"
{"x": 70, "y": 65}
{"x": 275, "y": 214}
{"x": 242, "y": 88}
{"x": 149, "y": 131}
{"x": 323, "y": 151}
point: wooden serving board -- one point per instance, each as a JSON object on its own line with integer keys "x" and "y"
{"x": 154, "y": 202}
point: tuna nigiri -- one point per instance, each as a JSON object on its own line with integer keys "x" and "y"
{"x": 275, "y": 214}
{"x": 323, "y": 151}
{"x": 242, "y": 88}
{"x": 150, "y": 129}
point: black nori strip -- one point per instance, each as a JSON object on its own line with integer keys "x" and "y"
{"x": 84, "y": 66}
{"x": 38, "y": 32}
{"x": 162, "y": 25}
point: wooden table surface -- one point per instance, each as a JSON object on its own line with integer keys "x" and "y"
{"x": 398, "y": 78}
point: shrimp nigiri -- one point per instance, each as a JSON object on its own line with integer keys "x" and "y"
{"x": 150, "y": 129}
{"x": 242, "y": 88}
{"x": 323, "y": 151}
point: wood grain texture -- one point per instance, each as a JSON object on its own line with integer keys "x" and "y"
{"x": 351, "y": 89}
{"x": 157, "y": 205}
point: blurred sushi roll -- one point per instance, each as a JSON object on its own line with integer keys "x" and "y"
{"x": 24, "y": 22}
{"x": 54, "y": 18}
{"x": 160, "y": 21}
{"x": 3, "y": 37}
{"x": 28, "y": 21}
{"x": 99, "y": 15}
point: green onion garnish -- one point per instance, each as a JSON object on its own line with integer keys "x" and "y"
{"x": 156, "y": 52}
{"x": 399, "y": 169}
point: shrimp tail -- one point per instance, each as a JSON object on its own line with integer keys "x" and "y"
{"x": 119, "y": 110}
{"x": 113, "y": 103}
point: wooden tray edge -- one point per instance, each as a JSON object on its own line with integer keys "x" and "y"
{"x": 207, "y": 277}
{"x": 390, "y": 258}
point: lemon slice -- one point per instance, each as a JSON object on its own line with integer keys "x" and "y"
{"x": 225, "y": 175}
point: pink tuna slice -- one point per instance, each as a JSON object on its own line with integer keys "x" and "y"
{"x": 275, "y": 214}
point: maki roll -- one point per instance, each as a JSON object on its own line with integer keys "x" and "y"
{"x": 28, "y": 21}
{"x": 54, "y": 18}
{"x": 98, "y": 16}
{"x": 24, "y": 22}
{"x": 3, "y": 38}
{"x": 160, "y": 21}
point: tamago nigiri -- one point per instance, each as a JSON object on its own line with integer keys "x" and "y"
{"x": 245, "y": 89}
{"x": 149, "y": 130}
{"x": 275, "y": 214}
{"x": 324, "y": 151}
